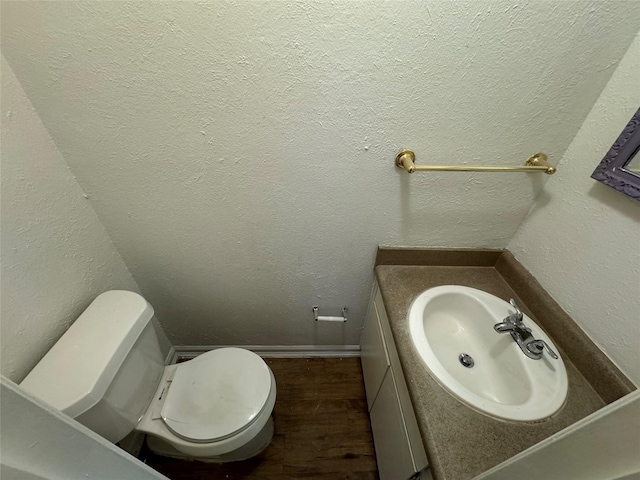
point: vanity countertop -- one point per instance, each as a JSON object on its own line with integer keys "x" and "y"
{"x": 461, "y": 442}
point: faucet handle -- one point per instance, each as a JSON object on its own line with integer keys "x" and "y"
{"x": 537, "y": 346}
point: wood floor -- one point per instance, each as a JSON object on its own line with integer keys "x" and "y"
{"x": 322, "y": 428}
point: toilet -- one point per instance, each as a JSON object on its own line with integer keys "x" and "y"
{"x": 107, "y": 372}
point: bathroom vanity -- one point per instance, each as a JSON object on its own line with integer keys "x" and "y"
{"x": 415, "y": 422}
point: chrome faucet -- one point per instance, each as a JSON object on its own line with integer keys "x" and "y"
{"x": 530, "y": 346}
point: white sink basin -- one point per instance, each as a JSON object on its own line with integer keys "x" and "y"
{"x": 451, "y": 320}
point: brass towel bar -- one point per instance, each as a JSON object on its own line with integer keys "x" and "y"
{"x": 537, "y": 163}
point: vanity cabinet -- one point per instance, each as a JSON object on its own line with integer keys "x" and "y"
{"x": 399, "y": 450}
{"x": 373, "y": 356}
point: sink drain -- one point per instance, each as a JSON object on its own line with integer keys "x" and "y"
{"x": 466, "y": 360}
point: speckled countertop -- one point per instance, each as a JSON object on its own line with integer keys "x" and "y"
{"x": 460, "y": 442}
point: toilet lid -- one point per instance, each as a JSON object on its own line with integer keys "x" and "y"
{"x": 216, "y": 395}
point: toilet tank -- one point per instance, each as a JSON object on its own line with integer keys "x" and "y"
{"x": 106, "y": 367}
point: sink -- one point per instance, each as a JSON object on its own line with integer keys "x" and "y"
{"x": 451, "y": 327}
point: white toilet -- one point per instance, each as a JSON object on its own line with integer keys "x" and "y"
{"x": 108, "y": 373}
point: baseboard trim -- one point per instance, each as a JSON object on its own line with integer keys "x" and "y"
{"x": 273, "y": 351}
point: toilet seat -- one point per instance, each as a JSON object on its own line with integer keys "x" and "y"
{"x": 217, "y": 395}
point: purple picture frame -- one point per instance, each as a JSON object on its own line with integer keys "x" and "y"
{"x": 611, "y": 169}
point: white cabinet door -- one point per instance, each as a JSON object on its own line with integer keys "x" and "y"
{"x": 415, "y": 439}
{"x": 373, "y": 356}
{"x": 389, "y": 434}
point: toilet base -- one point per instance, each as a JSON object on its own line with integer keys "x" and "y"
{"x": 254, "y": 447}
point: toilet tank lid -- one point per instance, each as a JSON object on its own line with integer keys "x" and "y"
{"x": 75, "y": 374}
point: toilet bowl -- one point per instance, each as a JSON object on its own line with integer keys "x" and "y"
{"x": 215, "y": 407}
{"x": 108, "y": 373}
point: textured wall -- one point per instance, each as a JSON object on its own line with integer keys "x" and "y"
{"x": 240, "y": 155}
{"x": 56, "y": 255}
{"x": 581, "y": 238}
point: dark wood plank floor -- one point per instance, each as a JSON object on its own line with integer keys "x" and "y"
{"x": 322, "y": 429}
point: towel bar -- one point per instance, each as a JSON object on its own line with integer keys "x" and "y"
{"x": 535, "y": 164}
